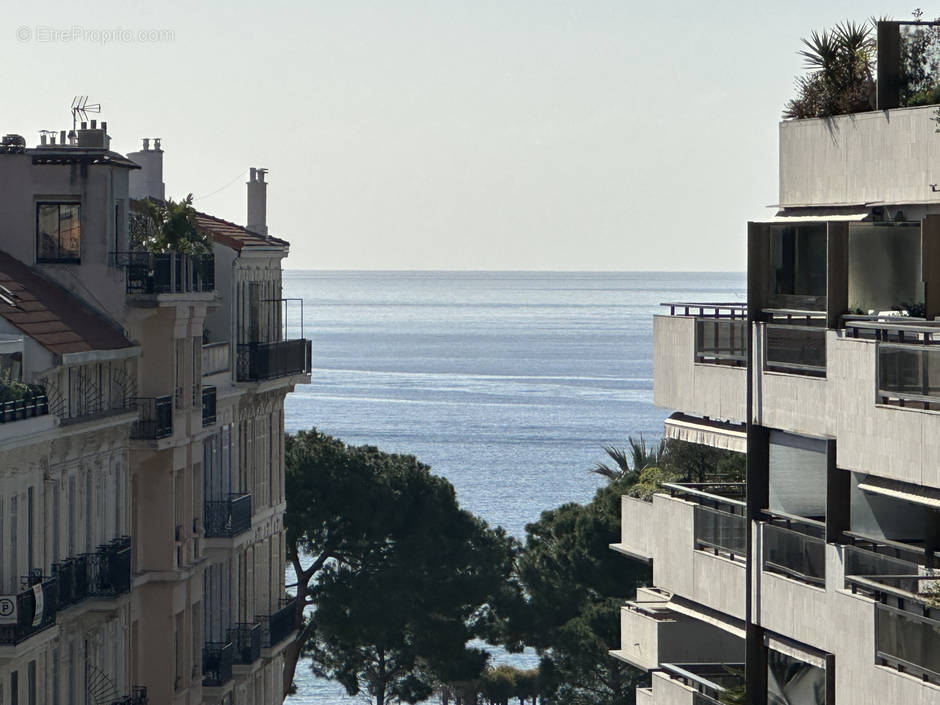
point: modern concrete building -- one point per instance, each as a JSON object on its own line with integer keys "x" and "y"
{"x": 142, "y": 545}
{"x": 813, "y": 581}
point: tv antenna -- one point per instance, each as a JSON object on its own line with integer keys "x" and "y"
{"x": 81, "y": 108}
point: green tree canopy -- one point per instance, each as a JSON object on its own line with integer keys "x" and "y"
{"x": 398, "y": 576}
{"x": 162, "y": 227}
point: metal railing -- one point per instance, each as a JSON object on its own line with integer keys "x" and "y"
{"x": 720, "y": 525}
{"x": 31, "y": 616}
{"x": 229, "y": 517}
{"x": 208, "y": 405}
{"x": 276, "y": 627}
{"x": 166, "y": 272}
{"x": 795, "y": 349}
{"x": 246, "y": 638}
{"x": 215, "y": 358}
{"x": 104, "y": 573}
{"x": 794, "y": 547}
{"x": 20, "y": 409}
{"x": 138, "y": 696}
{"x": 710, "y": 681}
{"x": 156, "y": 418}
{"x": 217, "y": 660}
{"x": 720, "y": 330}
{"x": 259, "y": 361}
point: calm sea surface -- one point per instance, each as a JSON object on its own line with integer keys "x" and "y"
{"x": 509, "y": 384}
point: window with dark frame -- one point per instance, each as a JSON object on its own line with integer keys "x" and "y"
{"x": 58, "y": 232}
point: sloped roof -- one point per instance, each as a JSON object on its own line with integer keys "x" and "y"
{"x": 53, "y": 316}
{"x": 235, "y": 236}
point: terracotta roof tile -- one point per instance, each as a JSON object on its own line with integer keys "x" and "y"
{"x": 55, "y": 317}
{"x": 233, "y": 235}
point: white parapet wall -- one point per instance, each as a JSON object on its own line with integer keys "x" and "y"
{"x": 889, "y": 156}
{"x": 715, "y": 391}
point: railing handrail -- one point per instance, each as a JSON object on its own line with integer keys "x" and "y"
{"x": 897, "y": 545}
{"x": 801, "y": 312}
{"x": 695, "y": 678}
{"x": 216, "y": 344}
{"x": 873, "y": 583}
{"x": 919, "y": 326}
{"x": 684, "y": 489}
{"x": 719, "y": 310}
{"x": 794, "y": 518}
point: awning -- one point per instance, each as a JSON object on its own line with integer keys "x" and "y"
{"x": 926, "y": 496}
{"x": 717, "y": 434}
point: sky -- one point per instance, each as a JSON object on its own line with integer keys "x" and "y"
{"x": 512, "y": 135}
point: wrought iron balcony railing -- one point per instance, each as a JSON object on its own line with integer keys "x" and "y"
{"x": 276, "y": 627}
{"x": 156, "y": 418}
{"x": 246, "y": 638}
{"x": 260, "y": 361}
{"x": 32, "y": 609}
{"x": 229, "y": 517}
{"x": 217, "y": 660}
{"x": 20, "y": 409}
{"x": 138, "y": 696}
{"x": 208, "y": 405}
{"x": 166, "y": 273}
{"x": 103, "y": 573}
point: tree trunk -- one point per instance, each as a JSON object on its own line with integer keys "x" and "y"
{"x": 292, "y": 652}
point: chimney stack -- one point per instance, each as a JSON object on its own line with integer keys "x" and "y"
{"x": 257, "y": 201}
{"x": 147, "y": 182}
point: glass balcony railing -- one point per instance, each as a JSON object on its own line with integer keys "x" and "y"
{"x": 720, "y": 331}
{"x": 795, "y": 349}
{"x": 260, "y": 361}
{"x": 166, "y": 273}
{"x": 712, "y": 683}
{"x": 720, "y": 524}
{"x": 795, "y": 547}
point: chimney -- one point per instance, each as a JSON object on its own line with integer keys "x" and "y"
{"x": 147, "y": 182}
{"x": 257, "y": 201}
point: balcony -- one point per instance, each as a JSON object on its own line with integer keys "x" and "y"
{"x": 138, "y": 696}
{"x": 699, "y": 360}
{"x": 166, "y": 273}
{"x": 261, "y": 361}
{"x": 227, "y": 518}
{"x": 651, "y": 633}
{"x": 795, "y": 344}
{"x": 246, "y": 638}
{"x": 156, "y": 418}
{"x": 698, "y": 683}
{"x": 217, "y": 660}
{"x": 32, "y": 609}
{"x": 795, "y": 547}
{"x": 277, "y": 627}
{"x": 208, "y": 405}
{"x": 106, "y": 573}
{"x": 216, "y": 358}
{"x": 20, "y": 409}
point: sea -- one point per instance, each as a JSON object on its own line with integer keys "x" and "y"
{"x": 509, "y": 384}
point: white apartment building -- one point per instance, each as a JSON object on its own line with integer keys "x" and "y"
{"x": 811, "y": 583}
{"x": 142, "y": 545}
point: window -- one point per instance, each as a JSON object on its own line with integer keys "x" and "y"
{"x": 58, "y": 232}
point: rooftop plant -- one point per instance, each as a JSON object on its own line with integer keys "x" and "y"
{"x": 168, "y": 226}
{"x": 14, "y": 390}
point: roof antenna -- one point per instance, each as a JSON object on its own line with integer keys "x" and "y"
{"x": 81, "y": 108}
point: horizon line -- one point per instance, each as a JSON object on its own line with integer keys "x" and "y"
{"x": 519, "y": 271}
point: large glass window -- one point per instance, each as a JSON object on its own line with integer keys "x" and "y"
{"x": 793, "y": 682}
{"x": 58, "y": 232}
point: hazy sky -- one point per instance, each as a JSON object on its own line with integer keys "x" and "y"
{"x": 443, "y": 135}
